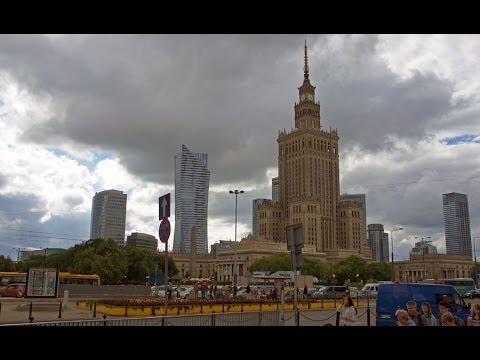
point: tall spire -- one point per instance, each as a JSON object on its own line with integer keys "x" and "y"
{"x": 305, "y": 67}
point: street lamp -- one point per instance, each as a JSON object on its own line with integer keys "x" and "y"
{"x": 424, "y": 245}
{"x": 475, "y": 261}
{"x": 236, "y": 192}
{"x": 391, "y": 241}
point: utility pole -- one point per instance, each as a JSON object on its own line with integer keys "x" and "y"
{"x": 475, "y": 273}
{"x": 295, "y": 245}
{"x": 391, "y": 241}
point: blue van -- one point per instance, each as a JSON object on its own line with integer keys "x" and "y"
{"x": 395, "y": 296}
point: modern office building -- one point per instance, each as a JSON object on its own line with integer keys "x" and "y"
{"x": 143, "y": 241}
{"x": 255, "y": 202}
{"x": 192, "y": 179}
{"x": 457, "y": 224}
{"x": 378, "y": 242}
{"x": 275, "y": 190}
{"x": 309, "y": 184}
{"x": 423, "y": 248}
{"x": 109, "y": 211}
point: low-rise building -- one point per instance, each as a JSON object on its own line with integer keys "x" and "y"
{"x": 433, "y": 266}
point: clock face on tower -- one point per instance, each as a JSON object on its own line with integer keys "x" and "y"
{"x": 302, "y": 97}
{"x": 310, "y": 97}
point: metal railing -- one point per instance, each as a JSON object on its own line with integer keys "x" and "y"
{"x": 270, "y": 318}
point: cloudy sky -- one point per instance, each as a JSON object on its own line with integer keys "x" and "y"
{"x": 86, "y": 113}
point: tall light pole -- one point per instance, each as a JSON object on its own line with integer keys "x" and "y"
{"x": 236, "y": 192}
{"x": 475, "y": 261}
{"x": 424, "y": 245}
{"x": 391, "y": 241}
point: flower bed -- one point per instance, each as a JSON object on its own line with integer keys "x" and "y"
{"x": 152, "y": 306}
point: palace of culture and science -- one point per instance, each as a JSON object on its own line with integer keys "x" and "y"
{"x": 309, "y": 193}
{"x": 309, "y": 180}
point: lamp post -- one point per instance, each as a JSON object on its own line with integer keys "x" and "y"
{"x": 475, "y": 261}
{"x": 424, "y": 245}
{"x": 236, "y": 192}
{"x": 391, "y": 241}
{"x": 45, "y": 257}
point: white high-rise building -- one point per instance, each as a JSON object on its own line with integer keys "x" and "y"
{"x": 109, "y": 212}
{"x": 192, "y": 179}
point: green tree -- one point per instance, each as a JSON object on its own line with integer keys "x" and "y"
{"x": 139, "y": 263}
{"x": 159, "y": 259}
{"x": 380, "y": 271}
{"x": 315, "y": 267}
{"x": 349, "y": 268}
{"x": 6, "y": 264}
{"x": 31, "y": 262}
{"x": 273, "y": 263}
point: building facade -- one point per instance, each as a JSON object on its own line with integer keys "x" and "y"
{"x": 378, "y": 242}
{"x": 192, "y": 179}
{"x": 422, "y": 247}
{"x": 457, "y": 224}
{"x": 143, "y": 241}
{"x": 275, "y": 190}
{"x": 362, "y": 200}
{"x": 255, "y": 204}
{"x": 309, "y": 185}
{"x": 109, "y": 212}
{"x": 433, "y": 266}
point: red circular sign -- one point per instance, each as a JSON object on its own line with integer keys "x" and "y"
{"x": 164, "y": 230}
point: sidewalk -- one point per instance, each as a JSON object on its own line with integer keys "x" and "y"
{"x": 42, "y": 310}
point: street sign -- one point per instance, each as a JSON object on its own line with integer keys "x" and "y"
{"x": 164, "y": 206}
{"x": 164, "y": 230}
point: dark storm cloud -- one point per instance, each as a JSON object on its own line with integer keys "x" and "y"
{"x": 143, "y": 96}
{"x": 225, "y": 95}
{"x": 146, "y": 95}
{"x": 228, "y": 96}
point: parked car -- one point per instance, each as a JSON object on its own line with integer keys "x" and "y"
{"x": 354, "y": 292}
{"x": 15, "y": 290}
{"x": 370, "y": 290}
{"x": 472, "y": 294}
{"x": 330, "y": 292}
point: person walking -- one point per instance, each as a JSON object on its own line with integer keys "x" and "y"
{"x": 348, "y": 311}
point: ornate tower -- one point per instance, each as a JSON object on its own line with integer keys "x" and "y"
{"x": 308, "y": 172}
{"x": 307, "y": 112}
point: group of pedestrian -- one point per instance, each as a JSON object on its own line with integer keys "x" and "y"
{"x": 411, "y": 317}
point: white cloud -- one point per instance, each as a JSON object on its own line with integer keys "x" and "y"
{"x": 85, "y": 113}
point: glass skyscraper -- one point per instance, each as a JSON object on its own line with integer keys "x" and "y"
{"x": 457, "y": 224}
{"x": 192, "y": 179}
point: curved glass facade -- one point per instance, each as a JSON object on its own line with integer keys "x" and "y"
{"x": 192, "y": 179}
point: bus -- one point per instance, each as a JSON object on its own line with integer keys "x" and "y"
{"x": 7, "y": 278}
{"x": 461, "y": 284}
